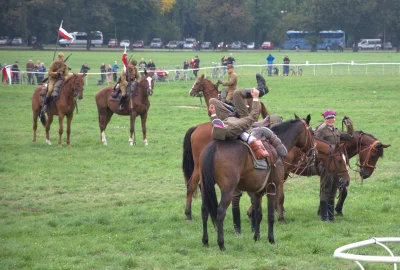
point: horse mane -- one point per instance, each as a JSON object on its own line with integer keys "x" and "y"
{"x": 282, "y": 127}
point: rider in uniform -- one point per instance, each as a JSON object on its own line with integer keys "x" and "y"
{"x": 58, "y": 70}
{"x": 231, "y": 83}
{"x": 329, "y": 184}
{"x": 134, "y": 77}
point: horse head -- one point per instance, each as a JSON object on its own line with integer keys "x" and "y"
{"x": 148, "y": 83}
{"x": 78, "y": 83}
{"x": 203, "y": 87}
{"x": 369, "y": 150}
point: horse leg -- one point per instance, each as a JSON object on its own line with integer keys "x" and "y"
{"x": 226, "y": 199}
{"x": 271, "y": 203}
{"x": 48, "y": 124}
{"x": 35, "y": 118}
{"x": 143, "y": 117}
{"x": 191, "y": 187}
{"x": 61, "y": 129}
{"x": 69, "y": 120}
{"x": 204, "y": 216}
{"x": 104, "y": 119}
{"x": 257, "y": 215}
{"x": 280, "y": 198}
{"x": 132, "y": 130}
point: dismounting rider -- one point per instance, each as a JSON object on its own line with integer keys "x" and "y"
{"x": 134, "y": 77}
{"x": 58, "y": 70}
{"x": 329, "y": 183}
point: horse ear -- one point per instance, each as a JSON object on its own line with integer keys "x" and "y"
{"x": 145, "y": 72}
{"x": 202, "y": 76}
{"x": 386, "y": 145}
{"x": 296, "y": 117}
{"x": 308, "y": 119}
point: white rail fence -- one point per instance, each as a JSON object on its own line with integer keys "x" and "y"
{"x": 339, "y": 253}
{"x": 218, "y": 72}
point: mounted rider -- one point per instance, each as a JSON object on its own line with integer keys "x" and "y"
{"x": 231, "y": 83}
{"x": 57, "y": 71}
{"x": 329, "y": 184}
{"x": 128, "y": 78}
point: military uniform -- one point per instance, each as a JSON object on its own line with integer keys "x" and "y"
{"x": 134, "y": 76}
{"x": 329, "y": 182}
{"x": 232, "y": 85}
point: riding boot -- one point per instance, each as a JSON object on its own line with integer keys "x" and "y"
{"x": 259, "y": 150}
{"x": 121, "y": 103}
{"x": 236, "y": 220}
{"x": 323, "y": 205}
{"x": 339, "y": 204}
{"x": 261, "y": 85}
{"x": 248, "y": 93}
{"x": 331, "y": 212}
{"x": 46, "y": 104}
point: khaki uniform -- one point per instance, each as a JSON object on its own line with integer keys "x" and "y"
{"x": 232, "y": 85}
{"x": 56, "y": 67}
{"x": 134, "y": 75}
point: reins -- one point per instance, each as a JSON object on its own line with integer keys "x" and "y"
{"x": 204, "y": 94}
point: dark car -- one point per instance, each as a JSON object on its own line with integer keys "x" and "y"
{"x": 180, "y": 44}
{"x": 138, "y": 44}
{"x": 206, "y": 45}
{"x": 157, "y": 43}
{"x": 113, "y": 43}
{"x": 171, "y": 45}
{"x": 388, "y": 46}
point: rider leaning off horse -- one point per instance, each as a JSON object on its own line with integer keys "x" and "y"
{"x": 133, "y": 76}
{"x": 328, "y": 182}
{"x": 57, "y": 71}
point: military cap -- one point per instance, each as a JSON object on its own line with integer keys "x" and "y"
{"x": 329, "y": 113}
{"x": 229, "y": 66}
{"x": 133, "y": 62}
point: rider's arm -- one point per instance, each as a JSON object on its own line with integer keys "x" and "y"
{"x": 231, "y": 80}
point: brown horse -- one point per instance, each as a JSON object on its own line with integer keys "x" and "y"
{"x": 137, "y": 105}
{"x": 229, "y": 165}
{"x": 64, "y": 106}
{"x": 204, "y": 87}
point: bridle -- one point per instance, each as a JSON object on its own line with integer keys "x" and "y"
{"x": 201, "y": 91}
{"x": 368, "y": 149}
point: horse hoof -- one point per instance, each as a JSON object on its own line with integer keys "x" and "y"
{"x": 188, "y": 218}
{"x": 222, "y": 248}
{"x": 48, "y": 142}
{"x": 281, "y": 219}
{"x": 272, "y": 241}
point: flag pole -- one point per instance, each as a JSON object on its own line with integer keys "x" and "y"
{"x": 58, "y": 36}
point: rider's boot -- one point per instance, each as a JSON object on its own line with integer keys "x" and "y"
{"x": 46, "y": 104}
{"x": 339, "y": 204}
{"x": 121, "y": 103}
{"x": 331, "y": 212}
{"x": 261, "y": 85}
{"x": 236, "y": 220}
{"x": 323, "y": 205}
{"x": 259, "y": 150}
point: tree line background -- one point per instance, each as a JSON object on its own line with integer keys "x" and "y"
{"x": 206, "y": 20}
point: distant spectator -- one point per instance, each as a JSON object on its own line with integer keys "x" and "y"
{"x": 103, "y": 71}
{"x": 191, "y": 64}
{"x": 142, "y": 66}
{"x": 231, "y": 60}
{"x": 286, "y": 62}
{"x": 36, "y": 70}
{"x": 29, "y": 69}
{"x": 85, "y": 68}
{"x": 109, "y": 72}
{"x": 41, "y": 71}
{"x": 194, "y": 45}
{"x": 3, "y": 79}
{"x": 341, "y": 46}
{"x": 151, "y": 66}
{"x": 270, "y": 61}
{"x": 115, "y": 68}
{"x": 185, "y": 68}
{"x": 196, "y": 65}
{"x": 15, "y": 73}
{"x": 224, "y": 63}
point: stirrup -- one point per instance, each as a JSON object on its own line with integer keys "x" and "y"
{"x": 121, "y": 107}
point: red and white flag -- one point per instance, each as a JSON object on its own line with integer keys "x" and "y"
{"x": 65, "y": 34}
{"x": 6, "y": 73}
{"x": 124, "y": 60}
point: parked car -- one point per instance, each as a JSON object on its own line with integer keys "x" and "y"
{"x": 124, "y": 43}
{"x": 220, "y": 46}
{"x": 388, "y": 45}
{"x": 206, "y": 45}
{"x": 237, "y": 45}
{"x": 157, "y": 43}
{"x": 267, "y": 45}
{"x": 171, "y": 45}
{"x": 138, "y": 44}
{"x": 180, "y": 44}
{"x": 372, "y": 44}
{"x": 113, "y": 43}
{"x": 17, "y": 41}
{"x": 250, "y": 45}
{"x": 189, "y": 43}
{"x": 4, "y": 40}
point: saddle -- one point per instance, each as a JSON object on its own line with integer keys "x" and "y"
{"x": 116, "y": 93}
{"x": 56, "y": 90}
{"x": 264, "y": 164}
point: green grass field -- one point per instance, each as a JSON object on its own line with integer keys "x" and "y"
{"x": 119, "y": 207}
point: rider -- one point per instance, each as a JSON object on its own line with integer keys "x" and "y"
{"x": 328, "y": 184}
{"x": 134, "y": 77}
{"x": 231, "y": 83}
{"x": 58, "y": 70}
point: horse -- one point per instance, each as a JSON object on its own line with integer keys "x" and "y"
{"x": 138, "y": 105}
{"x": 229, "y": 165}
{"x": 64, "y": 106}
{"x": 204, "y": 87}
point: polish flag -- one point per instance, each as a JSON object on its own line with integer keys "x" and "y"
{"x": 65, "y": 34}
{"x": 6, "y": 73}
{"x": 124, "y": 60}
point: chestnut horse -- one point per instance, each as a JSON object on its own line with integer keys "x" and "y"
{"x": 64, "y": 106}
{"x": 204, "y": 87}
{"x": 229, "y": 165}
{"x": 137, "y": 105}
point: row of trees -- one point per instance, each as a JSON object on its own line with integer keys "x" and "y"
{"x": 210, "y": 20}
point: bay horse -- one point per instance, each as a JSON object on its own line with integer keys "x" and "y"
{"x": 64, "y": 106}
{"x": 204, "y": 87}
{"x": 229, "y": 165}
{"x": 137, "y": 105}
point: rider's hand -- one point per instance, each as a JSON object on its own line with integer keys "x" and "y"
{"x": 219, "y": 82}
{"x": 211, "y": 109}
{"x": 255, "y": 93}
{"x": 345, "y": 118}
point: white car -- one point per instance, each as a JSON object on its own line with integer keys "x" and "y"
{"x": 250, "y": 45}
{"x": 3, "y": 40}
{"x": 124, "y": 43}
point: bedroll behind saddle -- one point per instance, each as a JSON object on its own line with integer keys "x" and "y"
{"x": 56, "y": 90}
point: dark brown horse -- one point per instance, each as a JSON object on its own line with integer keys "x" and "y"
{"x": 64, "y": 106}
{"x": 136, "y": 105}
{"x": 205, "y": 88}
{"x": 229, "y": 165}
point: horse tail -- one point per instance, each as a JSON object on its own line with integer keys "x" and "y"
{"x": 43, "y": 119}
{"x": 187, "y": 159}
{"x": 208, "y": 179}
{"x": 264, "y": 111}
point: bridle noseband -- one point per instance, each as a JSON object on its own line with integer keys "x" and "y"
{"x": 199, "y": 90}
{"x": 368, "y": 149}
